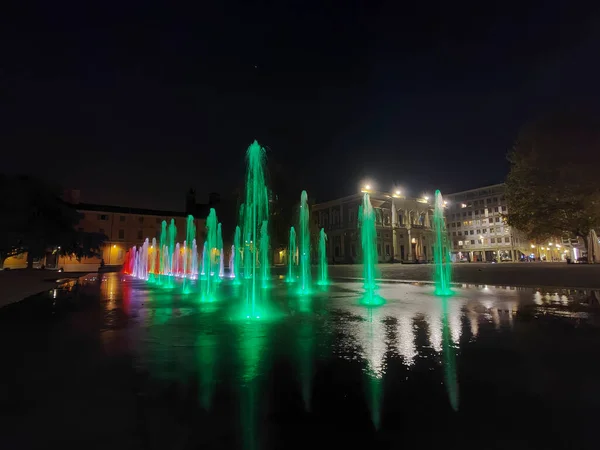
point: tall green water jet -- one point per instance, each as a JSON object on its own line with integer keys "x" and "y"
{"x": 220, "y": 271}
{"x": 211, "y": 271}
{"x": 304, "y": 244}
{"x": 255, "y": 217}
{"x": 323, "y": 276}
{"x": 265, "y": 274}
{"x": 291, "y": 255}
{"x": 188, "y": 251}
{"x": 441, "y": 252}
{"x": 161, "y": 250}
{"x": 236, "y": 255}
{"x": 368, "y": 239}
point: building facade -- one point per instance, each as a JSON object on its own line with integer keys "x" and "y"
{"x": 124, "y": 227}
{"x": 404, "y": 227}
{"x": 478, "y": 229}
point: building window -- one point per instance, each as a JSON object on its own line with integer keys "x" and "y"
{"x": 379, "y": 249}
{"x": 387, "y": 249}
{"x": 460, "y": 242}
{"x": 492, "y": 230}
{"x": 101, "y": 230}
{"x": 478, "y": 231}
{"x": 497, "y": 219}
{"x": 507, "y": 239}
{"x": 464, "y": 214}
{"x": 460, "y": 233}
{"x": 488, "y": 200}
{"x": 484, "y": 230}
{"x": 122, "y": 234}
{"x": 379, "y": 234}
{"x": 480, "y": 241}
{"x": 471, "y": 232}
{"x": 121, "y": 218}
{"x": 492, "y": 240}
{"x": 102, "y": 216}
{"x": 495, "y": 199}
{"x": 472, "y": 241}
{"x": 337, "y": 251}
{"x": 495, "y": 209}
{"x": 454, "y": 233}
{"x": 141, "y": 219}
{"x": 453, "y": 225}
{"x": 140, "y": 234}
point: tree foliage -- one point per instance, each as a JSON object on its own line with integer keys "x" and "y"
{"x": 36, "y": 219}
{"x": 553, "y": 187}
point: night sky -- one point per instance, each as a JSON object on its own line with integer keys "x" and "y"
{"x": 134, "y": 104}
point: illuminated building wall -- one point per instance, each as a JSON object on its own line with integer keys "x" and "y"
{"x": 477, "y": 228}
{"x": 404, "y": 227}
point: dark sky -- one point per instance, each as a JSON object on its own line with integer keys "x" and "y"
{"x": 134, "y": 104}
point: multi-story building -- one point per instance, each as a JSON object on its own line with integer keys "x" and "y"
{"x": 477, "y": 227}
{"x": 123, "y": 226}
{"x": 403, "y": 226}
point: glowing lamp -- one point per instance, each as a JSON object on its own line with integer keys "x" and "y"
{"x": 532, "y": 246}
{"x": 397, "y": 192}
{"x": 367, "y": 186}
{"x": 426, "y": 197}
{"x": 114, "y": 246}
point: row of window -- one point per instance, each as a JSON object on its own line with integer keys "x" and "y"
{"x": 476, "y": 222}
{"x": 478, "y": 212}
{"x": 105, "y": 217}
{"x": 487, "y": 201}
{"x": 481, "y": 231}
{"x": 121, "y": 235}
{"x": 486, "y": 241}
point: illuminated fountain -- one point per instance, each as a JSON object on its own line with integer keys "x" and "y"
{"x": 255, "y": 220}
{"x": 304, "y": 245}
{"x": 441, "y": 254}
{"x": 291, "y": 256}
{"x": 368, "y": 239}
{"x": 236, "y": 256}
{"x": 323, "y": 277}
{"x": 152, "y": 252}
{"x": 211, "y": 276}
{"x": 221, "y": 254}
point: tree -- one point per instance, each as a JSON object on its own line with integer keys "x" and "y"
{"x": 552, "y": 188}
{"x": 37, "y": 219}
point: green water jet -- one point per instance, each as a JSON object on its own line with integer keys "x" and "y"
{"x": 255, "y": 219}
{"x": 441, "y": 252}
{"x": 368, "y": 239}
{"x": 304, "y": 244}
{"x": 291, "y": 278}
{"x": 323, "y": 276}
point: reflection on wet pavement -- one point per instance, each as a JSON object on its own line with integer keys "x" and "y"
{"x": 165, "y": 370}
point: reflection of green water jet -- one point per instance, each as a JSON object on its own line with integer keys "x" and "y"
{"x": 304, "y": 245}
{"x": 441, "y": 254}
{"x": 291, "y": 255}
{"x": 449, "y": 359}
{"x": 368, "y": 239}
{"x": 323, "y": 277}
{"x": 206, "y": 355}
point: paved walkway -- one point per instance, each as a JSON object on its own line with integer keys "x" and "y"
{"x": 16, "y": 285}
